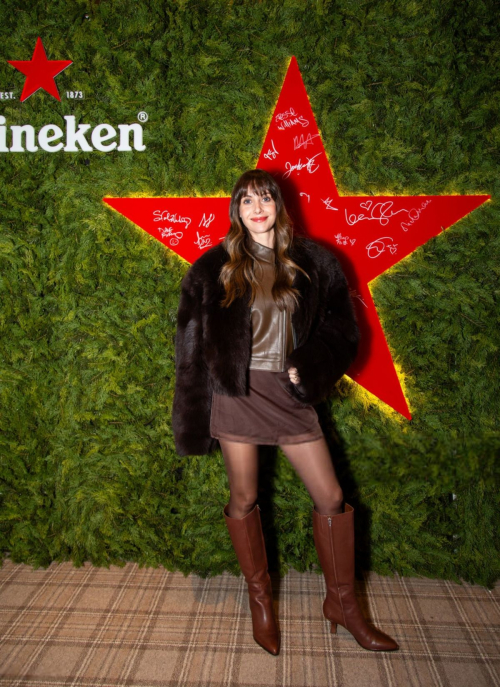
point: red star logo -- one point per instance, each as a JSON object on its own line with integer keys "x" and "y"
{"x": 368, "y": 234}
{"x": 40, "y": 72}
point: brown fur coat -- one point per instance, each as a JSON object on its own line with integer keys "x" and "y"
{"x": 213, "y": 344}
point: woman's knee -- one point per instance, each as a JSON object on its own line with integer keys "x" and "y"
{"x": 241, "y": 503}
{"x": 330, "y": 503}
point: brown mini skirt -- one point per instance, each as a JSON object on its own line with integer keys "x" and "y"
{"x": 269, "y": 414}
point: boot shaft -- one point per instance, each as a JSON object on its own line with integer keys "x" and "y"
{"x": 248, "y": 542}
{"x": 334, "y": 540}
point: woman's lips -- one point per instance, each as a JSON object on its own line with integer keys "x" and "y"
{"x": 258, "y": 219}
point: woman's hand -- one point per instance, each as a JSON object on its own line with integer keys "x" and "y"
{"x": 294, "y": 375}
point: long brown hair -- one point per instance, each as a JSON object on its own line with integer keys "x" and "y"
{"x": 238, "y": 272}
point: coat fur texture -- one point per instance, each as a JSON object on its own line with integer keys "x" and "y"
{"x": 213, "y": 344}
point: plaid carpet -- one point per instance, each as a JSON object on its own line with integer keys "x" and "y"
{"x": 132, "y": 626}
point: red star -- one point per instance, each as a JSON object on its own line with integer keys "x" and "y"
{"x": 368, "y": 234}
{"x": 40, "y": 72}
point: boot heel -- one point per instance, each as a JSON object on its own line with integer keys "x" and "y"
{"x": 333, "y": 628}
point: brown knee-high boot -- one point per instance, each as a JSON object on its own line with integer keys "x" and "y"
{"x": 334, "y": 541}
{"x": 248, "y": 542}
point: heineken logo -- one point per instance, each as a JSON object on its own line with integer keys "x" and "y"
{"x": 40, "y": 73}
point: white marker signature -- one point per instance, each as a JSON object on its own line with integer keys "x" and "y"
{"x": 328, "y": 202}
{"x": 379, "y": 246}
{"x": 306, "y": 195}
{"x": 344, "y": 240}
{"x": 379, "y": 212}
{"x": 414, "y": 215}
{"x": 290, "y": 118}
{"x": 203, "y": 241}
{"x": 271, "y": 153}
{"x": 165, "y": 216}
{"x": 303, "y": 141}
{"x": 354, "y": 294}
{"x": 310, "y": 165}
{"x": 207, "y": 221}
{"x": 167, "y": 232}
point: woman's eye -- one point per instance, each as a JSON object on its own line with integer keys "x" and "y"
{"x": 266, "y": 199}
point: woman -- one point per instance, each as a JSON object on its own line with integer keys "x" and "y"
{"x": 265, "y": 330}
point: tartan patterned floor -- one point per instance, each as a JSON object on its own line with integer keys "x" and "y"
{"x": 150, "y": 627}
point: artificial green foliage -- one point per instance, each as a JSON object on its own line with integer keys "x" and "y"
{"x": 406, "y": 96}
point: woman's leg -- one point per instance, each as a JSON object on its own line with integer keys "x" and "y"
{"x": 333, "y": 532}
{"x": 242, "y": 517}
{"x": 312, "y": 462}
{"x": 242, "y": 467}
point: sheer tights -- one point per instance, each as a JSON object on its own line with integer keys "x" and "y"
{"x": 311, "y": 461}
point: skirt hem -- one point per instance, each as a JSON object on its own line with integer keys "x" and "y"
{"x": 296, "y": 439}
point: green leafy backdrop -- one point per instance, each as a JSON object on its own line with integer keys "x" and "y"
{"x": 406, "y": 95}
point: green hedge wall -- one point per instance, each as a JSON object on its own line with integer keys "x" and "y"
{"x": 406, "y": 96}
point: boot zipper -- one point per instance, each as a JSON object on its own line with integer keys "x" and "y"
{"x": 335, "y": 571}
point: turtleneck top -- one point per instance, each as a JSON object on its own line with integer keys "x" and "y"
{"x": 272, "y": 334}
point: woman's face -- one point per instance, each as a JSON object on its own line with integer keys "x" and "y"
{"x": 258, "y": 213}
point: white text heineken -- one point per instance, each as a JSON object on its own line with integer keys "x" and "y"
{"x": 52, "y": 139}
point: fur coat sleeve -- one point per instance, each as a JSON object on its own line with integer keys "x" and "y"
{"x": 193, "y": 390}
{"x": 332, "y": 342}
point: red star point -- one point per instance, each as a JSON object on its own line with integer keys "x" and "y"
{"x": 368, "y": 234}
{"x": 40, "y": 72}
